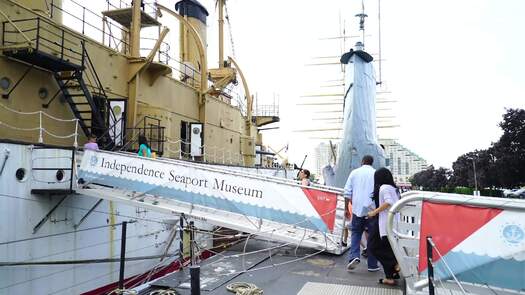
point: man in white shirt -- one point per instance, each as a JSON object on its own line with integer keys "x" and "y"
{"x": 358, "y": 191}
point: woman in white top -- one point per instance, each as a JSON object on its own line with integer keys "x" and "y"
{"x": 385, "y": 195}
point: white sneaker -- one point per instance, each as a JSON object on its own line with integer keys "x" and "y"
{"x": 353, "y": 263}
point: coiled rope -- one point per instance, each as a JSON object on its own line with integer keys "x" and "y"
{"x": 164, "y": 292}
{"x": 242, "y": 288}
{"x": 123, "y": 292}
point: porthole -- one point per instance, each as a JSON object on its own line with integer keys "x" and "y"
{"x": 5, "y": 83}
{"x": 60, "y": 175}
{"x": 20, "y": 174}
{"x": 117, "y": 110}
{"x": 42, "y": 93}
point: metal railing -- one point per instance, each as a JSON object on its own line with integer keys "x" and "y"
{"x": 99, "y": 28}
{"x": 41, "y": 130}
{"x": 210, "y": 154}
{"x": 45, "y": 36}
{"x": 149, "y": 127}
{"x": 271, "y": 110}
{"x": 404, "y": 235}
{"x": 149, "y": 8}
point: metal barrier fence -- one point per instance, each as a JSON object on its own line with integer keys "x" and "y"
{"x": 404, "y": 237}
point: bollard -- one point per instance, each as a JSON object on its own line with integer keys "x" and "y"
{"x": 122, "y": 256}
{"x": 430, "y": 267}
{"x": 195, "y": 279}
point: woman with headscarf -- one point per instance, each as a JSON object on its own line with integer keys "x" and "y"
{"x": 144, "y": 148}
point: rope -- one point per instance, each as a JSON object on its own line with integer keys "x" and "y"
{"x": 19, "y": 129}
{"x": 242, "y": 288}
{"x": 58, "y": 136}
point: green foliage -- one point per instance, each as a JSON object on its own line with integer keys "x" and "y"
{"x": 463, "y": 190}
{"x": 501, "y": 165}
{"x": 432, "y": 179}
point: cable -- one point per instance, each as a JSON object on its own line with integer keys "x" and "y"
{"x": 96, "y": 211}
{"x": 60, "y": 234}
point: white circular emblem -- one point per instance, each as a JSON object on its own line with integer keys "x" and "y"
{"x": 513, "y": 234}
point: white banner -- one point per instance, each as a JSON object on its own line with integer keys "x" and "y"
{"x": 277, "y": 200}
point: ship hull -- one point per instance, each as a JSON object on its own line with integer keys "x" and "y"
{"x": 55, "y": 242}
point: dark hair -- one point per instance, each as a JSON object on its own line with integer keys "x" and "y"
{"x": 382, "y": 176}
{"x": 306, "y": 172}
{"x": 143, "y": 140}
{"x": 367, "y": 160}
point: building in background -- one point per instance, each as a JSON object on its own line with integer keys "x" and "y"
{"x": 402, "y": 162}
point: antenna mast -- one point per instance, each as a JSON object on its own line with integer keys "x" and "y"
{"x": 362, "y": 16}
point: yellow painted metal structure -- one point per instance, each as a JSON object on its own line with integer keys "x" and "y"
{"x": 176, "y": 95}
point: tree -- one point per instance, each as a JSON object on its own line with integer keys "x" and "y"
{"x": 509, "y": 151}
{"x": 485, "y": 175}
{"x": 432, "y": 179}
{"x": 501, "y": 165}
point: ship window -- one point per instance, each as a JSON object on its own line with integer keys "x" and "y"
{"x": 20, "y": 174}
{"x": 60, "y": 175}
{"x": 5, "y": 83}
{"x": 42, "y": 92}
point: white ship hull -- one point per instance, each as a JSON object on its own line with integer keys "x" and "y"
{"x": 98, "y": 237}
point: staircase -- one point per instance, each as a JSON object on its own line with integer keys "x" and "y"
{"x": 88, "y": 101}
{"x": 64, "y": 54}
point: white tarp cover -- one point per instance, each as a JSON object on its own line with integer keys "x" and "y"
{"x": 359, "y": 120}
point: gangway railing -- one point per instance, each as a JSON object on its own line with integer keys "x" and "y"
{"x": 413, "y": 220}
{"x": 269, "y": 207}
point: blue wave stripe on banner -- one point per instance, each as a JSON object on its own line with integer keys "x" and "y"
{"x": 485, "y": 270}
{"x": 208, "y": 201}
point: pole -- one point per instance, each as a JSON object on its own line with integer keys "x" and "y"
{"x": 195, "y": 281}
{"x": 122, "y": 255}
{"x": 475, "y": 178}
{"x": 430, "y": 267}
{"x": 191, "y": 243}
{"x": 181, "y": 242}
{"x": 221, "y": 33}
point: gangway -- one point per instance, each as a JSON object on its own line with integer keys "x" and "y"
{"x": 268, "y": 207}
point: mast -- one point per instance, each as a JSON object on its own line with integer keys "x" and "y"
{"x": 221, "y": 33}
{"x": 135, "y": 29}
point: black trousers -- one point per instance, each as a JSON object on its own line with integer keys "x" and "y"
{"x": 381, "y": 249}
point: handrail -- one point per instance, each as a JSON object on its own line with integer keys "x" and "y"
{"x": 105, "y": 34}
{"x": 40, "y": 128}
{"x": 443, "y": 198}
{"x": 211, "y": 168}
{"x": 18, "y": 29}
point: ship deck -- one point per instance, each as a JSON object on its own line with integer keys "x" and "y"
{"x": 286, "y": 272}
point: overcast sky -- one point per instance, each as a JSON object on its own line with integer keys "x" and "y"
{"x": 451, "y": 66}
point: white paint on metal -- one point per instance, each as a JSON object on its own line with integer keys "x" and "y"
{"x": 311, "y": 288}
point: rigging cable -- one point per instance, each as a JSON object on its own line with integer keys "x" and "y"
{"x": 64, "y": 233}
{"x": 229, "y": 28}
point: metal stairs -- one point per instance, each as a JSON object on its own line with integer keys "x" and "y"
{"x": 64, "y": 54}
